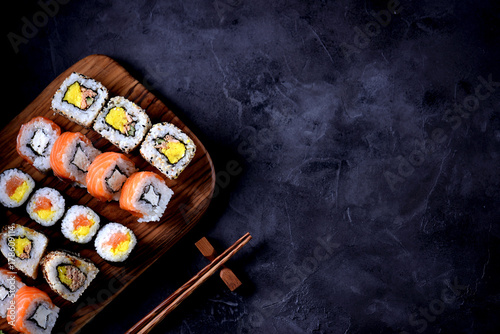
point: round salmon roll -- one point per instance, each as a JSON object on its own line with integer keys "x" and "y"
{"x": 15, "y": 187}
{"x": 115, "y": 242}
{"x": 107, "y": 174}
{"x": 35, "y": 140}
{"x": 145, "y": 195}
{"x": 80, "y": 224}
{"x": 71, "y": 157}
{"x": 34, "y": 311}
{"x": 46, "y": 206}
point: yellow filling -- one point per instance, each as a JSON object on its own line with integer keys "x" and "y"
{"x": 20, "y": 191}
{"x": 122, "y": 246}
{"x": 61, "y": 270}
{"x": 74, "y": 95}
{"x": 82, "y": 231}
{"x": 45, "y": 214}
{"x": 174, "y": 151}
{"x": 117, "y": 118}
{"x": 20, "y": 244}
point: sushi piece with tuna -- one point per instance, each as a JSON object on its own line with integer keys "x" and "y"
{"x": 107, "y": 174}
{"x": 168, "y": 149}
{"x": 35, "y": 140}
{"x": 80, "y": 224}
{"x": 115, "y": 242}
{"x": 71, "y": 157}
{"x": 80, "y": 99}
{"x": 23, "y": 247}
{"x": 67, "y": 274}
{"x": 46, "y": 206}
{"x": 15, "y": 187}
{"x": 34, "y": 311}
{"x": 145, "y": 195}
{"x": 123, "y": 123}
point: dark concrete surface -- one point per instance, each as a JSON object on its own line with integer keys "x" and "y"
{"x": 367, "y": 140}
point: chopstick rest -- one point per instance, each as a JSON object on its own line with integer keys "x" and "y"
{"x": 226, "y": 274}
{"x": 146, "y": 324}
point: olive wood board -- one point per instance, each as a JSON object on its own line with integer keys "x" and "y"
{"x": 193, "y": 190}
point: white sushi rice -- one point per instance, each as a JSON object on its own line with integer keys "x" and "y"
{"x": 82, "y": 117}
{"x": 39, "y": 241}
{"x": 126, "y": 143}
{"x": 36, "y": 141}
{"x": 68, "y": 228}
{"x": 54, "y": 259}
{"x": 9, "y": 284}
{"x": 58, "y": 205}
{"x": 103, "y": 238}
{"x": 5, "y": 177}
{"x": 159, "y": 160}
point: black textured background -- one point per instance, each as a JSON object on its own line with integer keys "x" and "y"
{"x": 368, "y": 154}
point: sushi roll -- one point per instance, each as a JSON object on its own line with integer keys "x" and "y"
{"x": 145, "y": 195}
{"x": 46, "y": 206}
{"x": 80, "y": 224}
{"x": 123, "y": 123}
{"x": 23, "y": 247}
{"x": 15, "y": 187}
{"x": 35, "y": 140}
{"x": 168, "y": 149}
{"x": 67, "y": 274}
{"x": 115, "y": 242}
{"x": 71, "y": 157}
{"x": 80, "y": 99}
{"x": 35, "y": 313}
{"x": 10, "y": 283}
{"x": 106, "y": 175}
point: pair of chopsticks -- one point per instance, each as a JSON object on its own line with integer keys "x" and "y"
{"x": 146, "y": 324}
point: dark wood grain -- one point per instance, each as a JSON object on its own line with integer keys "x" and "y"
{"x": 192, "y": 193}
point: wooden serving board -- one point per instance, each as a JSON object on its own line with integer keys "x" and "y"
{"x": 193, "y": 190}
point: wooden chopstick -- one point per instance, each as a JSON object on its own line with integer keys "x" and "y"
{"x": 226, "y": 274}
{"x": 146, "y": 324}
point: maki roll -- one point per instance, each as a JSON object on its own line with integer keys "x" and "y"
{"x": 23, "y": 247}
{"x": 46, "y": 206}
{"x": 80, "y": 99}
{"x": 106, "y": 175}
{"x": 123, "y": 123}
{"x": 145, "y": 195}
{"x": 80, "y": 224}
{"x": 35, "y": 140}
{"x": 115, "y": 242}
{"x": 67, "y": 274}
{"x": 168, "y": 149}
{"x": 71, "y": 157}
{"x": 15, "y": 187}
{"x": 35, "y": 313}
{"x": 9, "y": 284}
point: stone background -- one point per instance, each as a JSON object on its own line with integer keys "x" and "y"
{"x": 367, "y": 140}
